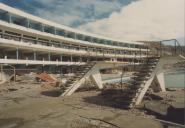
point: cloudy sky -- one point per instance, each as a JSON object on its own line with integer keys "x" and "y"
{"x": 124, "y": 19}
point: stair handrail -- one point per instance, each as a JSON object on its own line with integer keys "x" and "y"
{"x": 177, "y": 44}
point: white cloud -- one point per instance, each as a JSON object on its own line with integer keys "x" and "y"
{"x": 69, "y": 12}
{"x": 143, "y": 20}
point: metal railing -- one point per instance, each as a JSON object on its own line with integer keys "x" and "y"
{"x": 170, "y": 47}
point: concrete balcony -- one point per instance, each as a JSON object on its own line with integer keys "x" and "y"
{"x": 37, "y": 62}
{"x": 50, "y": 49}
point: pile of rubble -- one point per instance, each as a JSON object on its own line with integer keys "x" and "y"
{"x": 19, "y": 82}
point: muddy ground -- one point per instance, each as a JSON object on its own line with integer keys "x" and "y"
{"x": 23, "y": 105}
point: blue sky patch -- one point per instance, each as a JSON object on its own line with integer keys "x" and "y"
{"x": 69, "y": 12}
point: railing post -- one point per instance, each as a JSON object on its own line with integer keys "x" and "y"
{"x": 1, "y": 72}
{"x": 175, "y": 47}
{"x": 160, "y": 48}
{"x": 49, "y": 56}
{"x": 147, "y": 53}
{"x": 17, "y": 53}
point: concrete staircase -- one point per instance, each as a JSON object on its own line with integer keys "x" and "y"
{"x": 140, "y": 82}
{"x": 79, "y": 78}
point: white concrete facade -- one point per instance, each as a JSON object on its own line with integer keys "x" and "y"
{"x": 22, "y": 33}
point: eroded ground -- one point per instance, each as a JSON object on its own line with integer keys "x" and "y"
{"x": 23, "y": 106}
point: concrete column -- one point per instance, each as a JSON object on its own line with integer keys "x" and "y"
{"x": 175, "y": 47}
{"x": 75, "y": 36}
{"x": 28, "y": 23}
{"x": 5, "y": 57}
{"x": 161, "y": 81}
{"x": 3, "y": 77}
{"x": 49, "y": 56}
{"x": 34, "y": 55}
{"x": 80, "y": 58}
{"x": 91, "y": 39}
{"x": 42, "y": 27}
{"x": 96, "y": 54}
{"x": 71, "y": 58}
{"x": 103, "y": 53}
{"x": 143, "y": 92}
{"x": 10, "y": 18}
{"x": 161, "y": 48}
{"x": 61, "y": 58}
{"x": 65, "y": 33}
{"x": 55, "y": 32}
{"x": 96, "y": 78}
{"x": 17, "y": 53}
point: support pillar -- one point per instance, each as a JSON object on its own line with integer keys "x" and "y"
{"x": 42, "y": 27}
{"x": 10, "y": 18}
{"x": 27, "y": 23}
{"x": 17, "y": 53}
{"x": 80, "y": 58}
{"x": 96, "y": 78}
{"x": 175, "y": 47}
{"x": 71, "y": 58}
{"x": 160, "y": 48}
{"x": 34, "y": 55}
{"x": 61, "y": 58}
{"x": 161, "y": 81}
{"x": 49, "y": 57}
{"x": 3, "y": 77}
{"x": 55, "y": 31}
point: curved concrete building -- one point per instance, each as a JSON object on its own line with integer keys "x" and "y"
{"x": 27, "y": 39}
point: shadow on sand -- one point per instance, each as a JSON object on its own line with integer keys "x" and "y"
{"x": 114, "y": 98}
{"x": 108, "y": 98}
{"x": 52, "y": 93}
{"x": 175, "y": 115}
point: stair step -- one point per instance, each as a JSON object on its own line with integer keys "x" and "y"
{"x": 136, "y": 82}
{"x": 146, "y": 70}
{"x": 73, "y": 79}
{"x": 70, "y": 82}
{"x": 86, "y": 66}
{"x": 142, "y": 74}
{"x": 82, "y": 69}
{"x": 140, "y": 82}
{"x": 82, "y": 66}
{"x": 139, "y": 78}
{"x": 79, "y": 73}
{"x": 79, "y": 76}
{"x": 68, "y": 85}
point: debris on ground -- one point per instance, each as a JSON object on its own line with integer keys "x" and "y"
{"x": 85, "y": 122}
{"x": 50, "y": 85}
{"x": 45, "y": 77}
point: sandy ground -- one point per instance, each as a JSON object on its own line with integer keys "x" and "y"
{"x": 27, "y": 108}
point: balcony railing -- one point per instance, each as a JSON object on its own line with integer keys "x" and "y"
{"x": 70, "y": 47}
